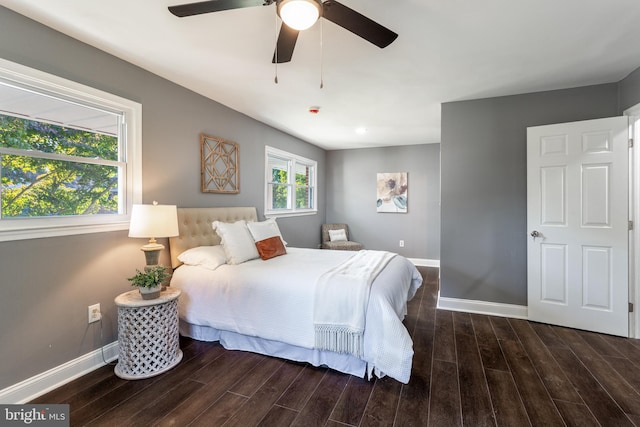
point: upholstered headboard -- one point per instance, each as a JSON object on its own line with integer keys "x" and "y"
{"x": 195, "y": 228}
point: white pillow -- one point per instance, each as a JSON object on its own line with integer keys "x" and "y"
{"x": 265, "y": 229}
{"x": 210, "y": 257}
{"x": 338, "y": 235}
{"x": 237, "y": 241}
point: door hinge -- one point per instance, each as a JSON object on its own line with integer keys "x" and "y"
{"x": 630, "y": 142}
{"x": 630, "y": 225}
{"x": 630, "y": 307}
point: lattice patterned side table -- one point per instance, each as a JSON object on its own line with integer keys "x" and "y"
{"x": 147, "y": 334}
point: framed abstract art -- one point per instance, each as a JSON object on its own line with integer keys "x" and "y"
{"x": 392, "y": 192}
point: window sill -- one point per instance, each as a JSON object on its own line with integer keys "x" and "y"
{"x": 288, "y": 214}
{"x": 57, "y": 231}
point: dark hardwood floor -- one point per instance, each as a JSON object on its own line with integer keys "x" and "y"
{"x": 470, "y": 370}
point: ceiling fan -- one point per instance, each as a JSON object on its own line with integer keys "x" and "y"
{"x": 289, "y": 11}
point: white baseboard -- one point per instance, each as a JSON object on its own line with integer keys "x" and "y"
{"x": 420, "y": 262}
{"x": 40, "y": 384}
{"x": 483, "y": 307}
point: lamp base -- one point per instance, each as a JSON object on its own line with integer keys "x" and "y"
{"x": 152, "y": 253}
{"x": 152, "y": 257}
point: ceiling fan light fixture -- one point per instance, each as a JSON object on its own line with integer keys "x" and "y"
{"x": 299, "y": 14}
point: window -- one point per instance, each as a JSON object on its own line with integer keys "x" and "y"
{"x": 290, "y": 184}
{"x": 69, "y": 156}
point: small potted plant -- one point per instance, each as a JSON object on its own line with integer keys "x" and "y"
{"x": 150, "y": 281}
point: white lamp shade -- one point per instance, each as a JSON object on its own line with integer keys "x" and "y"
{"x": 154, "y": 221}
{"x": 299, "y": 14}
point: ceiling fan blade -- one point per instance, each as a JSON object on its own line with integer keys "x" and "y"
{"x": 191, "y": 9}
{"x": 285, "y": 45}
{"x": 357, "y": 23}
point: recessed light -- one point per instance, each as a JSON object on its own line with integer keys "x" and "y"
{"x": 361, "y": 130}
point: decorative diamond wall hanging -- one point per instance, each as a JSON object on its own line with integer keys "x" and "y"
{"x": 220, "y": 171}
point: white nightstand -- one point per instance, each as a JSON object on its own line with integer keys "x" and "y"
{"x": 147, "y": 334}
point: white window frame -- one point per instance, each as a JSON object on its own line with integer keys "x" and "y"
{"x": 294, "y": 159}
{"x": 32, "y": 228}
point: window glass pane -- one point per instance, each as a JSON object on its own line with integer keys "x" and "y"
{"x": 279, "y": 169}
{"x": 279, "y": 175}
{"x": 304, "y": 197}
{"x": 45, "y": 137}
{"x": 302, "y": 174}
{"x": 32, "y": 187}
{"x": 279, "y": 196}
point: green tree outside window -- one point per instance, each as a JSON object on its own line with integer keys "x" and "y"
{"x": 49, "y": 170}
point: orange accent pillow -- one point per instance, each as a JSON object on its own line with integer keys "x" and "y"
{"x": 270, "y": 248}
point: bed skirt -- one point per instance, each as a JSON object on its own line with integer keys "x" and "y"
{"x": 344, "y": 363}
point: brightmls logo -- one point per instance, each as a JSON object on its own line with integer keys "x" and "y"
{"x": 36, "y": 415}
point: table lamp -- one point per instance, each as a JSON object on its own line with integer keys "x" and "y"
{"x": 151, "y": 221}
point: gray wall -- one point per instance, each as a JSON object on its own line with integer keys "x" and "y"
{"x": 47, "y": 284}
{"x": 351, "y": 198}
{"x": 629, "y": 90}
{"x": 483, "y": 228}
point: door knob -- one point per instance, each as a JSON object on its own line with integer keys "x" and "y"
{"x": 535, "y": 233}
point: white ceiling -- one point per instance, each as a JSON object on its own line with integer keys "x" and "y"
{"x": 447, "y": 50}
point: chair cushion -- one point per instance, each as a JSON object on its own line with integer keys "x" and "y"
{"x": 342, "y": 246}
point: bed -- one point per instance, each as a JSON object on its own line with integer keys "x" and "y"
{"x": 273, "y": 306}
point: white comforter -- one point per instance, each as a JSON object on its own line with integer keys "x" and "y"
{"x": 274, "y": 300}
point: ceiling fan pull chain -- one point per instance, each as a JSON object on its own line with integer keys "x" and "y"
{"x": 321, "y": 55}
{"x": 276, "y": 54}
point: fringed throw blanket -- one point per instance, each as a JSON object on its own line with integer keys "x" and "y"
{"x": 341, "y": 300}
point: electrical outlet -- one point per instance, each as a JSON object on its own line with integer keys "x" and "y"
{"x": 402, "y": 243}
{"x": 94, "y": 313}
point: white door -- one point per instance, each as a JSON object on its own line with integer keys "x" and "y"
{"x": 577, "y": 220}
